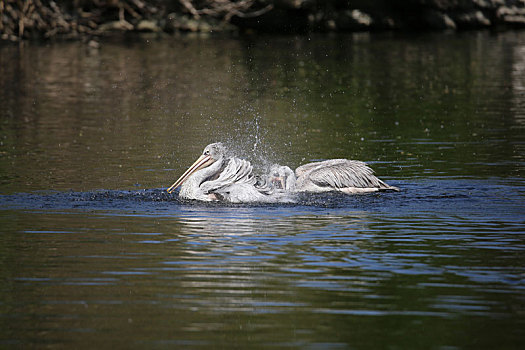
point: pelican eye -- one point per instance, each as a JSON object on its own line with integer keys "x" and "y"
{"x": 206, "y": 153}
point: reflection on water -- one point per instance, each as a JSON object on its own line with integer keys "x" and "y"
{"x": 94, "y": 252}
{"x": 138, "y": 113}
{"x": 157, "y": 271}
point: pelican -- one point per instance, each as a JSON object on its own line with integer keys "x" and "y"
{"x": 343, "y": 175}
{"x": 216, "y": 177}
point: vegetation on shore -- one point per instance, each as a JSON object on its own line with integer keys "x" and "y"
{"x": 43, "y": 19}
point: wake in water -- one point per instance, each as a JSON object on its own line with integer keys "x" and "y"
{"x": 430, "y": 196}
{"x": 157, "y": 201}
{"x": 217, "y": 175}
{"x": 457, "y": 198}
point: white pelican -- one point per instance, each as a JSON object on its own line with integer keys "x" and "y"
{"x": 343, "y": 175}
{"x": 216, "y": 177}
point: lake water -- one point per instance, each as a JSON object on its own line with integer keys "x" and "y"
{"x": 94, "y": 252}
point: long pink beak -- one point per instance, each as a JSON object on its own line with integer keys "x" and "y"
{"x": 200, "y": 163}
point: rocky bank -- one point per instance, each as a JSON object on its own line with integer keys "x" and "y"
{"x": 38, "y": 19}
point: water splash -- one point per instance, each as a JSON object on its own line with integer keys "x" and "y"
{"x": 256, "y": 142}
{"x": 251, "y": 137}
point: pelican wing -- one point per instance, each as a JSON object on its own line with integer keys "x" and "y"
{"x": 237, "y": 171}
{"x": 303, "y": 169}
{"x": 341, "y": 173}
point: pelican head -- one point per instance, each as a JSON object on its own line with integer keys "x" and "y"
{"x": 282, "y": 177}
{"x": 211, "y": 154}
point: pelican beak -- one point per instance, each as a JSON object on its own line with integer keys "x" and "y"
{"x": 200, "y": 163}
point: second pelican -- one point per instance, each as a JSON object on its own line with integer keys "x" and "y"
{"x": 343, "y": 175}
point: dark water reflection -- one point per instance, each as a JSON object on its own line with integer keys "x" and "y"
{"x": 94, "y": 252}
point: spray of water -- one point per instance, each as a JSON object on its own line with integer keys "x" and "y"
{"x": 254, "y": 151}
{"x": 251, "y": 136}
